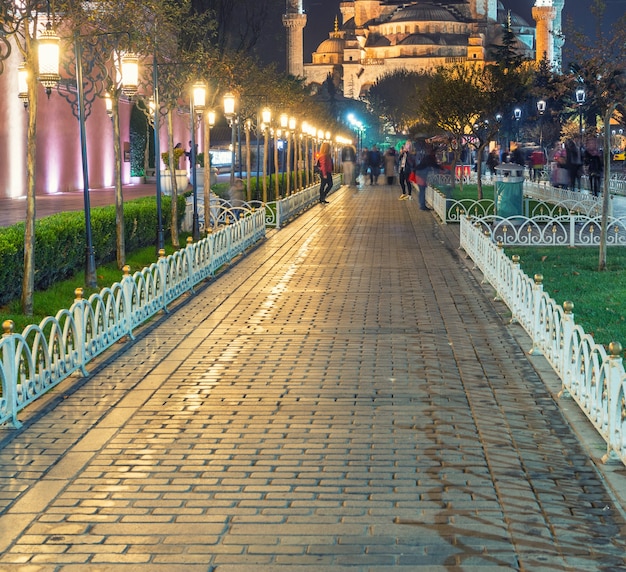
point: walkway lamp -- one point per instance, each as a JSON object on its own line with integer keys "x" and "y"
{"x": 210, "y": 123}
{"x": 581, "y": 95}
{"x": 266, "y": 118}
{"x": 229, "y": 112}
{"x": 517, "y": 113}
{"x": 541, "y": 108}
{"x": 48, "y": 53}
{"x": 128, "y": 63}
{"x": 291, "y": 157}
{"x": 196, "y": 107}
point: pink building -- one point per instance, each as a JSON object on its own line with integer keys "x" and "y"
{"x": 59, "y": 166}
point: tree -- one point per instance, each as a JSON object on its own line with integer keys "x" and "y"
{"x": 22, "y": 23}
{"x": 396, "y": 97}
{"x": 598, "y": 66}
{"x": 453, "y": 102}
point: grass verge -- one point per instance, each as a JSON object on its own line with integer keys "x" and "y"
{"x": 61, "y": 294}
{"x": 572, "y": 274}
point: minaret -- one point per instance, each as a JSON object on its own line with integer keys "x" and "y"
{"x": 559, "y": 38}
{"x": 545, "y": 14}
{"x": 294, "y": 21}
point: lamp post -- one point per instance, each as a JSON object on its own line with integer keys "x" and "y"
{"x": 129, "y": 64}
{"x": 196, "y": 106}
{"x": 517, "y": 113}
{"x": 541, "y": 108}
{"x": 266, "y": 117}
{"x": 210, "y": 122}
{"x": 284, "y": 132}
{"x": 581, "y": 95}
{"x": 229, "y": 112}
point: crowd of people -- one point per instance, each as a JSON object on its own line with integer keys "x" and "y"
{"x": 411, "y": 166}
{"x": 407, "y": 166}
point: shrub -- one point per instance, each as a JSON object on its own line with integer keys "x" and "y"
{"x": 60, "y": 242}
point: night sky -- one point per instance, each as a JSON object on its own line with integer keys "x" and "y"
{"x": 321, "y": 16}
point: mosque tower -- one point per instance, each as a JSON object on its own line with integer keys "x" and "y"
{"x": 545, "y": 14}
{"x": 294, "y": 21}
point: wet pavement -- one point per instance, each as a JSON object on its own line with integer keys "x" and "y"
{"x": 348, "y": 396}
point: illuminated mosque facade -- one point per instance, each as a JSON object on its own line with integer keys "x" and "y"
{"x": 376, "y": 37}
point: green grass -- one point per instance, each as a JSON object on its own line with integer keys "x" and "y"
{"x": 61, "y": 295}
{"x": 572, "y": 274}
{"x": 471, "y": 192}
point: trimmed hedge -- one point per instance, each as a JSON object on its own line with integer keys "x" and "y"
{"x": 60, "y": 242}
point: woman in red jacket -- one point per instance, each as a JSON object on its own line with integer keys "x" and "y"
{"x": 325, "y": 163}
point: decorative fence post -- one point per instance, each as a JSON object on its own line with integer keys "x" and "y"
{"x": 9, "y": 365}
{"x": 78, "y": 313}
{"x": 190, "y": 255}
{"x": 162, "y": 266}
{"x": 536, "y": 336}
{"x": 278, "y": 214}
{"x": 567, "y": 327}
{"x": 127, "y": 292}
{"x": 616, "y": 408}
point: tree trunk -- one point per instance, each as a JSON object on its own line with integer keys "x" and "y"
{"x": 120, "y": 239}
{"x": 28, "y": 281}
{"x": 605, "y": 189}
{"x": 173, "y": 167}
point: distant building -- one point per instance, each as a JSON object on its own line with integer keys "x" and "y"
{"x": 376, "y": 37}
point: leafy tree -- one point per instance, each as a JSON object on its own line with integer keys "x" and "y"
{"x": 453, "y": 103}
{"x": 22, "y": 23}
{"x": 599, "y": 67}
{"x": 396, "y": 97}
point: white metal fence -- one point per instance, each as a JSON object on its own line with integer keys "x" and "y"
{"x": 43, "y": 355}
{"x": 552, "y": 201}
{"x": 595, "y": 379}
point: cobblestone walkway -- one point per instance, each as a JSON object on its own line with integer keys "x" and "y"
{"x": 346, "y": 397}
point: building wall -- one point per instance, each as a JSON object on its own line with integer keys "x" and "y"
{"x": 59, "y": 163}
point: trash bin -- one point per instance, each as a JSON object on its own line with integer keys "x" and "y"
{"x": 509, "y": 190}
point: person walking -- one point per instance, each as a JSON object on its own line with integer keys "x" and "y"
{"x": 389, "y": 160}
{"x": 428, "y": 164}
{"x": 363, "y": 165}
{"x": 325, "y": 163}
{"x": 573, "y": 163}
{"x": 593, "y": 161}
{"x": 348, "y": 160}
{"x": 406, "y": 163}
{"x": 374, "y": 159}
{"x": 492, "y": 162}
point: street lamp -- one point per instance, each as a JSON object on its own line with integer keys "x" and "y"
{"x": 229, "y": 112}
{"x": 581, "y": 95}
{"x": 266, "y": 118}
{"x": 517, "y": 113}
{"x": 210, "y": 123}
{"x": 91, "y": 280}
{"x": 48, "y": 53}
{"x": 541, "y": 108}
{"x": 196, "y": 106}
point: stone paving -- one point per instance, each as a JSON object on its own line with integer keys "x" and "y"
{"x": 345, "y": 397}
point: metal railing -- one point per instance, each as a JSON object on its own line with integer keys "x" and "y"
{"x": 552, "y": 200}
{"x": 45, "y": 354}
{"x": 595, "y": 379}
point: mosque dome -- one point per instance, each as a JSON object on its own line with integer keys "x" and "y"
{"x": 331, "y": 46}
{"x": 425, "y": 12}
